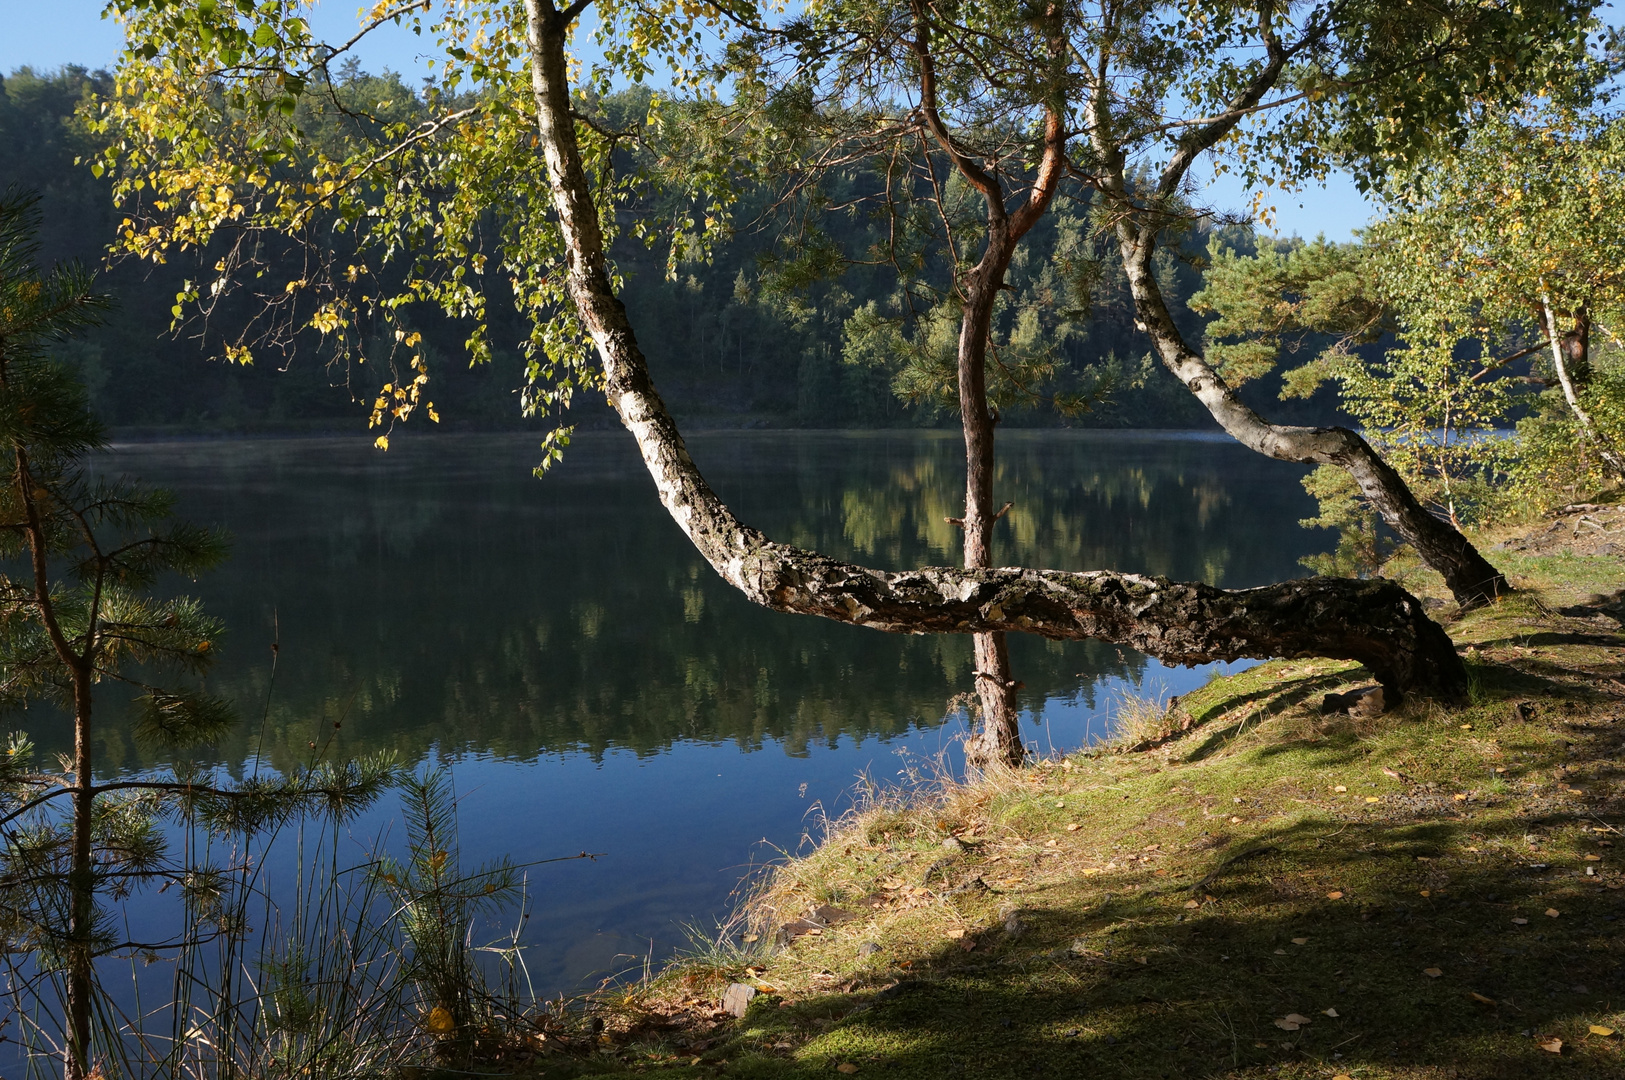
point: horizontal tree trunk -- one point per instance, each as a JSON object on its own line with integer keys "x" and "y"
{"x": 1376, "y": 623}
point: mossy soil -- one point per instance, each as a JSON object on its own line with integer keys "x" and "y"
{"x": 1271, "y": 892}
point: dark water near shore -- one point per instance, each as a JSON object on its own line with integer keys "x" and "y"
{"x": 594, "y": 686}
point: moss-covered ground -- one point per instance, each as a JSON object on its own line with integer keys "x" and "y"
{"x": 1270, "y": 892}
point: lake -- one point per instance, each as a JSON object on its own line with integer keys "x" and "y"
{"x": 591, "y": 683}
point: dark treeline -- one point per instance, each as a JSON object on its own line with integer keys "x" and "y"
{"x": 728, "y": 346}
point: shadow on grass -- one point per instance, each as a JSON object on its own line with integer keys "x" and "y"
{"x": 1072, "y": 997}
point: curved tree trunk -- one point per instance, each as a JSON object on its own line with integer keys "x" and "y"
{"x": 1472, "y": 580}
{"x": 1376, "y": 623}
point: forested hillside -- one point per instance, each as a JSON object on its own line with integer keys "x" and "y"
{"x": 730, "y": 342}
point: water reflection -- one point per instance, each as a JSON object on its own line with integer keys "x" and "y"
{"x": 440, "y": 596}
{"x": 592, "y": 683}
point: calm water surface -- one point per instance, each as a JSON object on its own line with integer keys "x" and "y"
{"x": 594, "y": 686}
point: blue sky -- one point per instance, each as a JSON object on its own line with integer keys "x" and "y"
{"x": 46, "y": 34}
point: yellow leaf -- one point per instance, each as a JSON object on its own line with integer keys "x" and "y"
{"x": 1481, "y": 999}
{"x": 1432, "y": 973}
{"x": 1552, "y": 1046}
{"x": 1605, "y": 1032}
{"x": 1339, "y": 787}
{"x": 846, "y": 1067}
{"x": 1552, "y": 913}
{"x": 1334, "y": 895}
{"x": 956, "y": 933}
{"x": 439, "y": 1020}
{"x": 382, "y": 442}
{"x": 1370, "y": 798}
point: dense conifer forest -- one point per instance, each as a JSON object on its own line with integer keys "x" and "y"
{"x": 735, "y": 346}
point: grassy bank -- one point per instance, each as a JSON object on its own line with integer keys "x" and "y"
{"x": 1266, "y": 891}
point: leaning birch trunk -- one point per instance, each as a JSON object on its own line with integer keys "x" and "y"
{"x": 1469, "y": 576}
{"x": 1605, "y": 448}
{"x": 1376, "y": 623}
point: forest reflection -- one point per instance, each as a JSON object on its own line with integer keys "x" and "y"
{"x": 441, "y": 598}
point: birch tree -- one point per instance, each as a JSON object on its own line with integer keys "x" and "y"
{"x": 503, "y": 170}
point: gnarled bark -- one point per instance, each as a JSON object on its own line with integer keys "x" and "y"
{"x": 1376, "y": 623}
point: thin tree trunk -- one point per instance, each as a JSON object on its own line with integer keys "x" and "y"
{"x": 81, "y": 886}
{"x": 81, "y": 879}
{"x": 997, "y": 741}
{"x": 1469, "y": 576}
{"x": 1376, "y": 623}
{"x": 1578, "y": 345}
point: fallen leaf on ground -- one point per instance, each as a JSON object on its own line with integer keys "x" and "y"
{"x": 1051, "y": 843}
{"x": 1520, "y": 921}
{"x": 1189, "y": 903}
{"x": 1342, "y": 1076}
{"x": 956, "y": 933}
{"x": 1605, "y": 1032}
{"x": 1329, "y": 1012}
{"x": 1552, "y": 913}
{"x": 1481, "y": 999}
{"x": 1552, "y": 1046}
{"x": 1339, "y": 787}
{"x": 846, "y": 1067}
{"x": 1235, "y": 821}
{"x": 1335, "y": 894}
{"x": 1280, "y": 952}
{"x": 1432, "y": 973}
{"x": 1300, "y": 941}
{"x": 1370, "y": 798}
{"x": 1074, "y": 827}
{"x": 1286, "y": 1024}
{"x": 1593, "y": 858}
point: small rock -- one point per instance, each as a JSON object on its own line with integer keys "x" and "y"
{"x": 868, "y": 948}
{"x": 792, "y": 930}
{"x": 953, "y": 845}
{"x": 830, "y": 915}
{"x": 1366, "y": 701}
{"x": 736, "y": 999}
